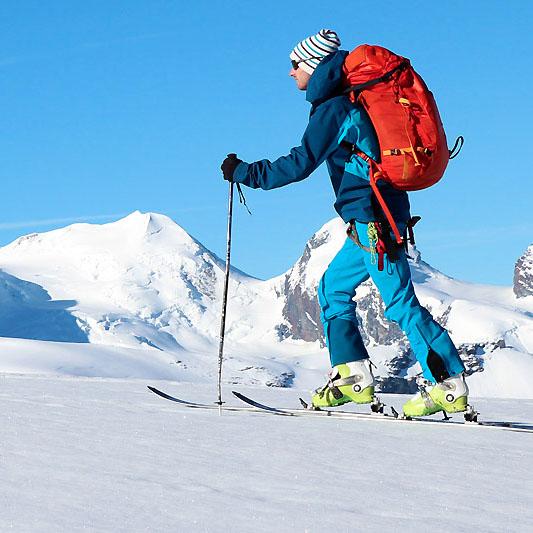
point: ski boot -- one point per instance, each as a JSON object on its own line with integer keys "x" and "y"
{"x": 450, "y": 396}
{"x": 349, "y": 382}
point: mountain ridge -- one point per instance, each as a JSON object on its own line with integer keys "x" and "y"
{"x": 142, "y": 282}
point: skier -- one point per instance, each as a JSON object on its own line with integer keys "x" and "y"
{"x": 334, "y": 121}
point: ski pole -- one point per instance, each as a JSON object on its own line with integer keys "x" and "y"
{"x": 225, "y": 298}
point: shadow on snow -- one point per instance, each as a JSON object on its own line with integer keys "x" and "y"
{"x": 28, "y": 312}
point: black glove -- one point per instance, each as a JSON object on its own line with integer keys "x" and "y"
{"x": 229, "y": 165}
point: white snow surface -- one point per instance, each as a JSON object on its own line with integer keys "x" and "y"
{"x": 140, "y": 297}
{"x": 108, "y": 455}
{"x": 91, "y": 314}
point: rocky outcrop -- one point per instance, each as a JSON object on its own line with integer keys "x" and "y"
{"x": 301, "y": 311}
{"x": 523, "y": 274}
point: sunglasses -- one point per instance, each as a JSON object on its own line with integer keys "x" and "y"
{"x": 295, "y": 64}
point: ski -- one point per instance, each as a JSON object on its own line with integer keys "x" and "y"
{"x": 195, "y": 405}
{"x": 174, "y": 399}
{"x": 521, "y": 427}
{"x": 257, "y": 407}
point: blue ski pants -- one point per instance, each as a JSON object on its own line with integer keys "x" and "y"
{"x": 352, "y": 266}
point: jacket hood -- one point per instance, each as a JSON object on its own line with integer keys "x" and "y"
{"x": 326, "y": 80}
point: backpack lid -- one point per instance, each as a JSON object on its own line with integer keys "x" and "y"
{"x": 368, "y": 62}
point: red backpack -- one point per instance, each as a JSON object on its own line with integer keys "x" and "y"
{"x": 412, "y": 142}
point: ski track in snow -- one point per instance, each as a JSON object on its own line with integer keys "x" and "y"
{"x": 107, "y": 455}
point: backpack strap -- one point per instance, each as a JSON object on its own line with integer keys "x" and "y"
{"x": 362, "y": 86}
{"x": 376, "y": 174}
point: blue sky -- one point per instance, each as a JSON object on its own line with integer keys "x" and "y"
{"x": 108, "y": 107}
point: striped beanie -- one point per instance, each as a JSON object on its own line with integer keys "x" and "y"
{"x": 314, "y": 49}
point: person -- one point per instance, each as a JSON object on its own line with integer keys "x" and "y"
{"x": 316, "y": 67}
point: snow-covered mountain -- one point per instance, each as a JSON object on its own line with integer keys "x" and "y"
{"x": 141, "y": 283}
{"x": 141, "y": 280}
{"x": 141, "y": 297}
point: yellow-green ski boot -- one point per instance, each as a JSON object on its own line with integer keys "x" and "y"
{"x": 349, "y": 382}
{"x": 450, "y": 396}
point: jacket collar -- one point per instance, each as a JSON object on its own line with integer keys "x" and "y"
{"x": 326, "y": 80}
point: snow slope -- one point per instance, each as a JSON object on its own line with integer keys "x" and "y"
{"x": 141, "y": 297}
{"x": 107, "y": 455}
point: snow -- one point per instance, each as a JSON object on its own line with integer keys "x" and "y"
{"x": 330, "y": 237}
{"x": 91, "y": 314}
{"x": 504, "y": 370}
{"x": 107, "y": 455}
{"x": 140, "y": 297}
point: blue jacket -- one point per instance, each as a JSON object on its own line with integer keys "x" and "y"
{"x": 333, "y": 119}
